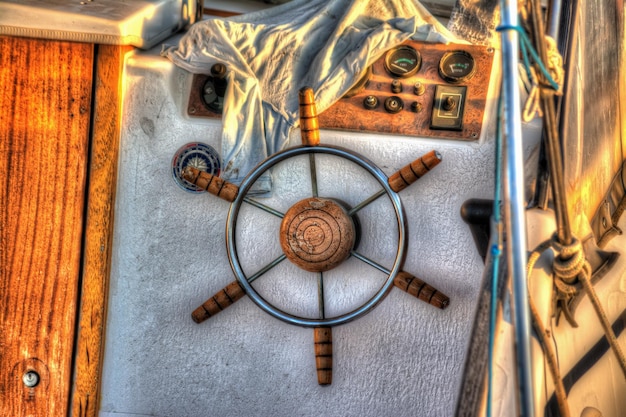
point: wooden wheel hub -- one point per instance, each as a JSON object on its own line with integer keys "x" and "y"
{"x": 317, "y": 234}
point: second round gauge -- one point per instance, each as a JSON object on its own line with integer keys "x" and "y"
{"x": 403, "y": 61}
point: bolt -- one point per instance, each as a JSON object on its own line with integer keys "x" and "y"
{"x": 416, "y": 106}
{"x": 30, "y": 379}
{"x": 218, "y": 70}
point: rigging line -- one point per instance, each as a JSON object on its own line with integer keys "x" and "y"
{"x": 608, "y": 330}
{"x": 496, "y": 251}
{"x": 540, "y": 330}
{"x": 587, "y": 362}
{"x": 555, "y": 158}
{"x": 526, "y": 48}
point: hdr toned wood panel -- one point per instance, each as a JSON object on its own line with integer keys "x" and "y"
{"x": 45, "y": 100}
{"x": 98, "y": 228}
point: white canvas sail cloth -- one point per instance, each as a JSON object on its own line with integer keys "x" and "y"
{"x": 270, "y": 55}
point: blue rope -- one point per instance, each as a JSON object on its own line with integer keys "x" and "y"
{"x": 526, "y": 46}
{"x": 496, "y": 251}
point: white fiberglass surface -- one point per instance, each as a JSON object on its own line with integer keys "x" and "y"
{"x": 404, "y": 357}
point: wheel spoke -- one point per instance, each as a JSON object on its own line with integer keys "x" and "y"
{"x": 263, "y": 207}
{"x": 411, "y": 284}
{"x": 365, "y": 202}
{"x": 320, "y": 293}
{"x": 313, "y": 174}
{"x": 370, "y": 262}
{"x": 267, "y": 268}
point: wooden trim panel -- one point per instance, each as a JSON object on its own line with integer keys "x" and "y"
{"x": 45, "y": 108}
{"x": 98, "y": 229}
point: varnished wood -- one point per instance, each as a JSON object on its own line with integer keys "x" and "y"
{"x": 98, "y": 229}
{"x": 316, "y": 234}
{"x": 349, "y": 113}
{"x": 414, "y": 171}
{"x": 323, "y": 339}
{"x": 224, "y": 298}
{"x": 418, "y": 288}
{"x": 211, "y": 183}
{"x": 309, "y": 125}
{"x": 45, "y": 103}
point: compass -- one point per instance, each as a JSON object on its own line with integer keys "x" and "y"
{"x": 199, "y": 156}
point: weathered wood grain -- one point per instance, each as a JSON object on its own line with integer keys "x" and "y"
{"x": 45, "y": 103}
{"x": 98, "y": 229}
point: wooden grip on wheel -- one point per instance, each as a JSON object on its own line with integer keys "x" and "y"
{"x": 309, "y": 126}
{"x": 226, "y": 297}
{"x": 414, "y": 171}
{"x": 418, "y": 288}
{"x": 211, "y": 183}
{"x": 323, "y": 338}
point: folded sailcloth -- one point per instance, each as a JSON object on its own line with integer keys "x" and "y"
{"x": 324, "y": 44}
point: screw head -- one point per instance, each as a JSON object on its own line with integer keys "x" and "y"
{"x": 30, "y": 379}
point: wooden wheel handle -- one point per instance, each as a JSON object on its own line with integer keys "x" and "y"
{"x": 211, "y": 183}
{"x": 224, "y": 298}
{"x": 419, "y": 289}
{"x": 309, "y": 125}
{"x": 414, "y": 171}
{"x": 323, "y": 338}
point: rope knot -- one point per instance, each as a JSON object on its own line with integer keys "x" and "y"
{"x": 570, "y": 260}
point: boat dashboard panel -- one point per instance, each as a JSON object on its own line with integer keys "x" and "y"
{"x": 416, "y": 89}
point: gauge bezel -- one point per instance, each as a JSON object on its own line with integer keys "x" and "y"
{"x": 451, "y": 78}
{"x": 397, "y": 73}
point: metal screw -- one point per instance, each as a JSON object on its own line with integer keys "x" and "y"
{"x": 30, "y": 379}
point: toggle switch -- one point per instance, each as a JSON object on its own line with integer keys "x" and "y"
{"x": 448, "y": 107}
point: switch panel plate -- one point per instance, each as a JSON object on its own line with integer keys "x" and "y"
{"x": 448, "y": 104}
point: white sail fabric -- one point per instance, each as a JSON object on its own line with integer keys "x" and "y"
{"x": 270, "y": 55}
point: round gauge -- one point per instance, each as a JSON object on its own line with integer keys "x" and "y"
{"x": 456, "y": 66}
{"x": 403, "y": 61}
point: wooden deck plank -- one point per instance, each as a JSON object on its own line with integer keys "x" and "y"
{"x": 98, "y": 229}
{"x": 45, "y": 103}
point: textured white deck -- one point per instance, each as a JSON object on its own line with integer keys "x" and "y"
{"x": 403, "y": 358}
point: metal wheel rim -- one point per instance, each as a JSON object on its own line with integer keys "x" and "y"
{"x": 232, "y": 223}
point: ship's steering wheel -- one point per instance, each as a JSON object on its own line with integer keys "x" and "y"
{"x": 316, "y": 234}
